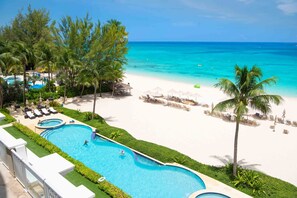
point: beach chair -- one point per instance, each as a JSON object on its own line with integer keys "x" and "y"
{"x": 45, "y": 111}
{"x": 37, "y": 112}
{"x": 52, "y": 110}
{"x": 29, "y": 114}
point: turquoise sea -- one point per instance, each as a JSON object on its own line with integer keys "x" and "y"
{"x": 206, "y": 62}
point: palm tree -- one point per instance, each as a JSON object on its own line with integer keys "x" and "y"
{"x": 66, "y": 67}
{"x": 47, "y": 58}
{"x": 25, "y": 56}
{"x": 248, "y": 90}
{"x": 92, "y": 73}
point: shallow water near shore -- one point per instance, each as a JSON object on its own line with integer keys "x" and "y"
{"x": 206, "y": 62}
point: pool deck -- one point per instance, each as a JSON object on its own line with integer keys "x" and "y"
{"x": 212, "y": 185}
{"x": 9, "y": 186}
{"x": 31, "y": 123}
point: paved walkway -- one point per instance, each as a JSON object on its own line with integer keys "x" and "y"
{"x": 9, "y": 186}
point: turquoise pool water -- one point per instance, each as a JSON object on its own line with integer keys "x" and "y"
{"x": 50, "y": 122}
{"x": 37, "y": 86}
{"x": 212, "y": 195}
{"x": 136, "y": 175}
{"x": 10, "y": 80}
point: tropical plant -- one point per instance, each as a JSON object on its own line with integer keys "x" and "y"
{"x": 249, "y": 179}
{"x": 46, "y": 54}
{"x": 248, "y": 90}
{"x": 67, "y": 67}
{"x": 25, "y": 56}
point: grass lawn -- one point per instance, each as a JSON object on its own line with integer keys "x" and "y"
{"x": 3, "y": 122}
{"x": 74, "y": 177}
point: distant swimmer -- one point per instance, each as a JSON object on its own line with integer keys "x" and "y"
{"x": 122, "y": 152}
{"x": 199, "y": 65}
{"x": 86, "y": 142}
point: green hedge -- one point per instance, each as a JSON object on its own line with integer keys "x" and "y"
{"x": 88, "y": 173}
{"x": 274, "y": 187}
{"x": 8, "y": 118}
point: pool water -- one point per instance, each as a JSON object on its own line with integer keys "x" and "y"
{"x": 10, "y": 80}
{"x": 50, "y": 122}
{"x": 37, "y": 86}
{"x": 212, "y": 195}
{"x": 133, "y": 173}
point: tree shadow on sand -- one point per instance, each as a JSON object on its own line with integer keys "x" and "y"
{"x": 227, "y": 159}
{"x": 109, "y": 119}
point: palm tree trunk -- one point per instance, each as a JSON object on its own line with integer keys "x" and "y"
{"x": 1, "y": 95}
{"x": 15, "y": 83}
{"x": 113, "y": 86}
{"x": 235, "y": 148}
{"x": 64, "y": 93}
{"x": 49, "y": 77}
{"x": 24, "y": 86}
{"x": 94, "y": 104}
{"x": 100, "y": 85}
{"x": 82, "y": 91}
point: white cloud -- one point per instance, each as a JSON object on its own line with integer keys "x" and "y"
{"x": 288, "y": 7}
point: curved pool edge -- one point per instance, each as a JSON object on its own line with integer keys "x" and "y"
{"x": 159, "y": 162}
{"x": 205, "y": 191}
{"x": 50, "y": 127}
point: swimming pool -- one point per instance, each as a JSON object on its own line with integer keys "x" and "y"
{"x": 212, "y": 195}
{"x": 10, "y": 80}
{"x": 50, "y": 123}
{"x": 135, "y": 174}
{"x": 37, "y": 86}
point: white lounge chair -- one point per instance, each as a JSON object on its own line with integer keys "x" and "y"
{"x": 37, "y": 112}
{"x": 29, "y": 114}
{"x": 52, "y": 110}
{"x": 45, "y": 111}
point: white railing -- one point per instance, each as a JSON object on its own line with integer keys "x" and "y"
{"x": 32, "y": 176}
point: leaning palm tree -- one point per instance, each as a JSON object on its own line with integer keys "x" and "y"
{"x": 248, "y": 90}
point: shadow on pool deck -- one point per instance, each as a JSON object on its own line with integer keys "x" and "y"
{"x": 9, "y": 186}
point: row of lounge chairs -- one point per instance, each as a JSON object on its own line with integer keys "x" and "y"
{"x": 162, "y": 101}
{"x": 38, "y": 113}
{"x": 231, "y": 118}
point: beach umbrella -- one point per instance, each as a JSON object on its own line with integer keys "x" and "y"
{"x": 172, "y": 92}
{"x": 197, "y": 85}
{"x": 157, "y": 92}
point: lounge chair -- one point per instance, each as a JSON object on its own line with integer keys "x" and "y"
{"x": 52, "y": 110}
{"x": 37, "y": 112}
{"x": 45, "y": 111}
{"x": 29, "y": 114}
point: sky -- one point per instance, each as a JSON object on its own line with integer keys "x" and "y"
{"x": 178, "y": 20}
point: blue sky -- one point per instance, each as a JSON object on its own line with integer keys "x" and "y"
{"x": 179, "y": 20}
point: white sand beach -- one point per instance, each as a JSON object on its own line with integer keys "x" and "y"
{"x": 204, "y": 138}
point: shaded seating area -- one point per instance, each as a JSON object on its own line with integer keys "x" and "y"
{"x": 122, "y": 89}
{"x": 162, "y": 101}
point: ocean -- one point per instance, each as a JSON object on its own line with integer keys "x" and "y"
{"x": 206, "y": 62}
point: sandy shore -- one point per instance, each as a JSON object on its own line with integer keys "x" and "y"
{"x": 204, "y": 138}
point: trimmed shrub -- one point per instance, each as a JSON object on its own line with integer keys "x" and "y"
{"x": 8, "y": 118}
